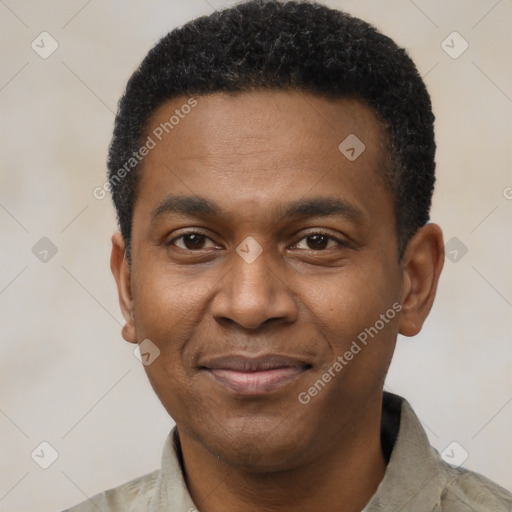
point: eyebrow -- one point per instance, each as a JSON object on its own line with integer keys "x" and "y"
{"x": 196, "y": 206}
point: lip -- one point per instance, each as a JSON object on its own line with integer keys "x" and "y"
{"x": 255, "y": 375}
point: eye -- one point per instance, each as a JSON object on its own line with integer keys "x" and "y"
{"x": 191, "y": 241}
{"x": 319, "y": 242}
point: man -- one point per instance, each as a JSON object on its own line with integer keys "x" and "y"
{"x": 272, "y": 168}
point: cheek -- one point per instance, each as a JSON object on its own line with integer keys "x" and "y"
{"x": 170, "y": 308}
{"x": 165, "y": 312}
{"x": 352, "y": 300}
{"x": 166, "y": 301}
{"x": 357, "y": 316}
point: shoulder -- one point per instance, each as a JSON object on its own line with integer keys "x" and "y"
{"x": 134, "y": 495}
{"x": 469, "y": 491}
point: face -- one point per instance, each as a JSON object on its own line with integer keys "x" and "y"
{"x": 262, "y": 257}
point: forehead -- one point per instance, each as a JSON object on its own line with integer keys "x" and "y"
{"x": 262, "y": 147}
{"x": 260, "y": 115}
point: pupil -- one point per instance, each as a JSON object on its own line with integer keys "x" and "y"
{"x": 193, "y": 241}
{"x": 319, "y": 242}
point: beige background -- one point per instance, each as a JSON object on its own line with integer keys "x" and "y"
{"x": 66, "y": 375}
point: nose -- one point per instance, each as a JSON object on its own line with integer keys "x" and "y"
{"x": 252, "y": 294}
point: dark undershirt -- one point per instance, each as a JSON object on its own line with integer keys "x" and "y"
{"x": 389, "y": 423}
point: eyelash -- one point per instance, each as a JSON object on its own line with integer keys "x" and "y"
{"x": 321, "y": 233}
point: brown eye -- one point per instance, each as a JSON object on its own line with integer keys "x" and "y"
{"x": 193, "y": 241}
{"x": 190, "y": 241}
{"x": 319, "y": 242}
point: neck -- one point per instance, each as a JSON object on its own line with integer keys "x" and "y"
{"x": 344, "y": 476}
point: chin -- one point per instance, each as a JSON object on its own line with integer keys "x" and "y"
{"x": 258, "y": 450}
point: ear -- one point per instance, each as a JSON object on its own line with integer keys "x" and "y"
{"x": 122, "y": 274}
{"x": 422, "y": 265}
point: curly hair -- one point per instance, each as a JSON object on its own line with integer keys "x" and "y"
{"x": 292, "y": 45}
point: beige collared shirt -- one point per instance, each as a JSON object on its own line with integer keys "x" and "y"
{"x": 417, "y": 479}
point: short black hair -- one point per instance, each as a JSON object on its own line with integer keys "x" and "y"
{"x": 292, "y": 45}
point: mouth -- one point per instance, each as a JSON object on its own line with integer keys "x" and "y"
{"x": 255, "y": 375}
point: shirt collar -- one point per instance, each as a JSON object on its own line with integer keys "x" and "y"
{"x": 414, "y": 477}
{"x": 171, "y": 492}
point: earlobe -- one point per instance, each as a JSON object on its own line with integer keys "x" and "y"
{"x": 122, "y": 274}
{"x": 422, "y": 265}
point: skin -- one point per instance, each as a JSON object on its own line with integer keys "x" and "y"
{"x": 304, "y": 296}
